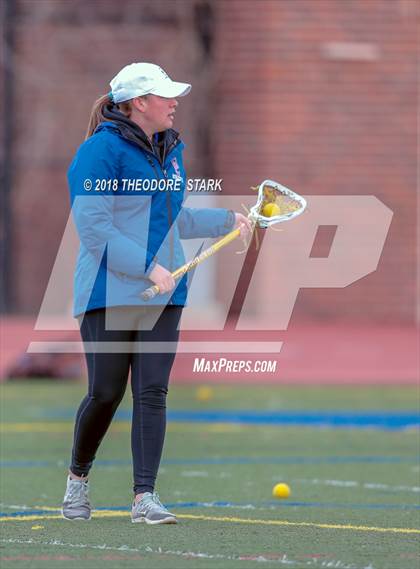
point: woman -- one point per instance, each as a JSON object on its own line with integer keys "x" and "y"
{"x": 127, "y": 182}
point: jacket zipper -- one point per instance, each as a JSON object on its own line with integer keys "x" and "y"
{"x": 169, "y": 208}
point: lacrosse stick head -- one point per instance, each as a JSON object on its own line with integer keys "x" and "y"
{"x": 275, "y": 204}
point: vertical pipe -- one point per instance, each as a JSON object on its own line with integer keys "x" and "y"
{"x": 6, "y": 165}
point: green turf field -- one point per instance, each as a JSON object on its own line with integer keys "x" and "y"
{"x": 355, "y": 491}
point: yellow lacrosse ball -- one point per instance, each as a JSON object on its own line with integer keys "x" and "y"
{"x": 204, "y": 393}
{"x": 271, "y": 209}
{"x": 281, "y": 490}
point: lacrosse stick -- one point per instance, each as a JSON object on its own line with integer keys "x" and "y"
{"x": 275, "y": 204}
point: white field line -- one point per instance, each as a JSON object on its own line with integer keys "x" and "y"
{"x": 283, "y": 559}
{"x": 17, "y": 507}
{"x": 236, "y": 506}
{"x": 202, "y": 505}
{"x": 24, "y": 507}
{"x": 354, "y": 484}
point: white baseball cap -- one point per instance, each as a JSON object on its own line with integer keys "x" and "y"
{"x": 139, "y": 79}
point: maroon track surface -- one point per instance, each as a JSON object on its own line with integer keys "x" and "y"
{"x": 327, "y": 353}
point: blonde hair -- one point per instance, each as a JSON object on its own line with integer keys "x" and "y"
{"x": 97, "y": 114}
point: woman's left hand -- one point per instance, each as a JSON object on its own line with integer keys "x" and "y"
{"x": 244, "y": 225}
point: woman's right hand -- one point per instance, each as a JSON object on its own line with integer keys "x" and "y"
{"x": 162, "y": 278}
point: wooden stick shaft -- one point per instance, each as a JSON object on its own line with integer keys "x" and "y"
{"x": 207, "y": 253}
{"x": 152, "y": 291}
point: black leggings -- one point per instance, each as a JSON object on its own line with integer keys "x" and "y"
{"x": 108, "y": 374}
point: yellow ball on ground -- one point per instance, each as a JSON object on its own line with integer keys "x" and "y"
{"x": 204, "y": 393}
{"x": 270, "y": 210}
{"x": 281, "y": 490}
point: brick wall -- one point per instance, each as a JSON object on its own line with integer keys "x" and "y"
{"x": 285, "y": 94}
{"x": 321, "y": 95}
{"x": 65, "y": 55}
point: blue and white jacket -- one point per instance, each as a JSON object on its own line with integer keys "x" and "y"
{"x": 124, "y": 231}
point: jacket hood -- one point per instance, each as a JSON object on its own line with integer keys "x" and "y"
{"x": 133, "y": 133}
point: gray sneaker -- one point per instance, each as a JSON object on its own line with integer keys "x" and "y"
{"x": 151, "y": 510}
{"x": 76, "y": 505}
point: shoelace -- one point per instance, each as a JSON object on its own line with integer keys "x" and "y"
{"x": 78, "y": 493}
{"x": 148, "y": 502}
{"x": 155, "y": 498}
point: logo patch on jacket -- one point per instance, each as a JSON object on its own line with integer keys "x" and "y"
{"x": 175, "y": 164}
